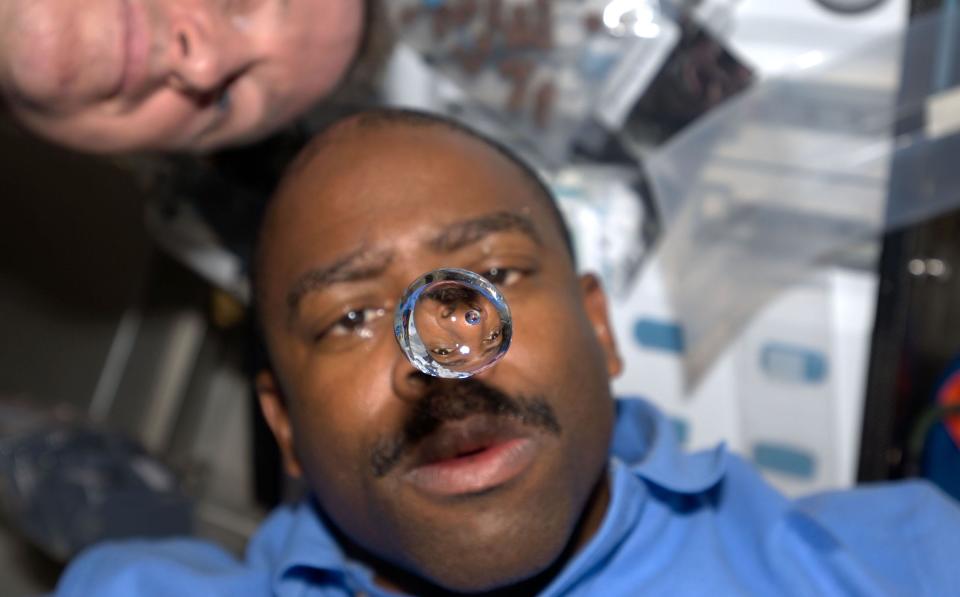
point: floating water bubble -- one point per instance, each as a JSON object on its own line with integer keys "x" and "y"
{"x": 453, "y": 323}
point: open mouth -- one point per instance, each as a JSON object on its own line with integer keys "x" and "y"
{"x": 472, "y": 456}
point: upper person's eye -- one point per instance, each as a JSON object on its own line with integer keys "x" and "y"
{"x": 232, "y": 7}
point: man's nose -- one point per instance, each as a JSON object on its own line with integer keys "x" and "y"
{"x": 207, "y": 52}
{"x": 409, "y": 383}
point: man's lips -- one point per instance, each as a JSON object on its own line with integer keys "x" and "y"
{"x": 471, "y": 456}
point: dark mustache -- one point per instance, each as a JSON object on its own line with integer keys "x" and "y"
{"x": 454, "y": 402}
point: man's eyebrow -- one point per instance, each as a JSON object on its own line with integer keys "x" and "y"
{"x": 466, "y": 232}
{"x": 361, "y": 264}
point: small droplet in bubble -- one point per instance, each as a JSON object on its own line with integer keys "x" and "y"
{"x": 453, "y": 323}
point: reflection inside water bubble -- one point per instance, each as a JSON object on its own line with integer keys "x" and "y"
{"x": 453, "y": 323}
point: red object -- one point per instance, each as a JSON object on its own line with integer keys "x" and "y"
{"x": 948, "y": 395}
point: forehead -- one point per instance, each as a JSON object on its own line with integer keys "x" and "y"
{"x": 368, "y": 185}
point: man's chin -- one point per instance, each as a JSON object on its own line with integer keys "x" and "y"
{"x": 491, "y": 545}
{"x": 518, "y": 540}
{"x": 485, "y": 569}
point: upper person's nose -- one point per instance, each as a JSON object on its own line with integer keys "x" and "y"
{"x": 207, "y": 51}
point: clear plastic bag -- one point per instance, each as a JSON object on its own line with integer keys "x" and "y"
{"x": 611, "y": 219}
{"x": 787, "y": 176}
{"x": 541, "y": 66}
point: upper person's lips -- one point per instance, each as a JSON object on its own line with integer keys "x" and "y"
{"x": 471, "y": 456}
{"x": 135, "y": 48}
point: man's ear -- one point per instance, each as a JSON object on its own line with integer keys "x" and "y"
{"x": 275, "y": 412}
{"x": 595, "y": 302}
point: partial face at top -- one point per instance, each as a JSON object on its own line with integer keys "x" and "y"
{"x": 469, "y": 484}
{"x": 114, "y": 75}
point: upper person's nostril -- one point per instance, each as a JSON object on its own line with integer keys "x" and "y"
{"x": 184, "y": 42}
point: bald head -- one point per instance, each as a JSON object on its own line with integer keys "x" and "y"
{"x": 354, "y": 127}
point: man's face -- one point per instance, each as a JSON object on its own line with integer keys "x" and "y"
{"x": 469, "y": 484}
{"x": 114, "y": 75}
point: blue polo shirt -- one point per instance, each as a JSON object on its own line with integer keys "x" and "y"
{"x": 677, "y": 524}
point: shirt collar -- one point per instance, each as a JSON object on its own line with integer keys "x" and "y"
{"x": 627, "y": 496}
{"x": 308, "y": 549}
{"x": 644, "y": 448}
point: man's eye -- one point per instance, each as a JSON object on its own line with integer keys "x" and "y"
{"x": 503, "y": 276}
{"x": 353, "y": 322}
